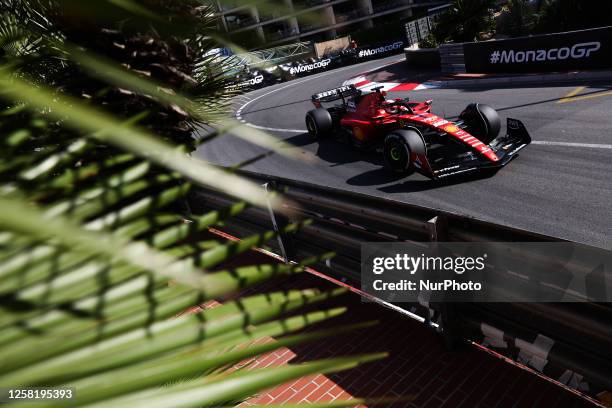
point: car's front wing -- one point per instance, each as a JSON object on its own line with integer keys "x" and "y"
{"x": 506, "y": 147}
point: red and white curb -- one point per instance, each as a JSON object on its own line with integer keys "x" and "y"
{"x": 364, "y": 84}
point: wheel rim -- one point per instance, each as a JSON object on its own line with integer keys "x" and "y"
{"x": 310, "y": 125}
{"x": 396, "y": 156}
{"x": 395, "y": 153}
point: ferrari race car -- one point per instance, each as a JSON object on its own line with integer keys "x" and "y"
{"x": 411, "y": 138}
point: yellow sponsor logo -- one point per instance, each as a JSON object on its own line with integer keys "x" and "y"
{"x": 358, "y": 133}
{"x": 450, "y": 128}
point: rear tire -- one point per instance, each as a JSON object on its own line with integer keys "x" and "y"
{"x": 397, "y": 153}
{"x": 319, "y": 123}
{"x": 482, "y": 120}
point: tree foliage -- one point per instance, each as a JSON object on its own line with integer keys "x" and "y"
{"x": 99, "y": 251}
{"x": 463, "y": 21}
{"x": 566, "y": 15}
{"x": 523, "y": 17}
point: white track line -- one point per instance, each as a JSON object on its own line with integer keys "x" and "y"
{"x": 567, "y": 144}
{"x": 535, "y": 142}
{"x": 273, "y": 129}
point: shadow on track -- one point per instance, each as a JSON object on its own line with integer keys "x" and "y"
{"x": 603, "y": 90}
{"x": 333, "y": 151}
{"x": 303, "y": 139}
{"x": 413, "y": 185}
{"x": 338, "y": 154}
{"x": 374, "y": 177}
{"x": 248, "y": 112}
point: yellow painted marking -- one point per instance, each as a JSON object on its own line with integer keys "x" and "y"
{"x": 573, "y": 95}
{"x": 568, "y": 97}
{"x": 583, "y": 97}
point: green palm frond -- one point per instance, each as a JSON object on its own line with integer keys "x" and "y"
{"x": 100, "y": 256}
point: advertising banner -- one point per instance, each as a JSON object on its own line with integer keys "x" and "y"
{"x": 309, "y": 67}
{"x": 379, "y": 51}
{"x": 288, "y": 71}
{"x": 585, "y": 49}
{"x": 248, "y": 84}
{"x": 346, "y": 57}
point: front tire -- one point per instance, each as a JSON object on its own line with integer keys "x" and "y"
{"x": 319, "y": 123}
{"x": 397, "y": 153}
{"x": 482, "y": 120}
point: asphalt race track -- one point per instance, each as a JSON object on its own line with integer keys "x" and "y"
{"x": 561, "y": 185}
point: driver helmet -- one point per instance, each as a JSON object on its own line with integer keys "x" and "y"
{"x": 392, "y": 106}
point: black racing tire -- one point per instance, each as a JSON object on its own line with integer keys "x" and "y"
{"x": 319, "y": 123}
{"x": 397, "y": 152}
{"x": 482, "y": 120}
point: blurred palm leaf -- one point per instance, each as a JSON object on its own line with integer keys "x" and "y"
{"x": 99, "y": 252}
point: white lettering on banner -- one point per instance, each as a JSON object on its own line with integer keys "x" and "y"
{"x": 577, "y": 51}
{"x": 249, "y": 82}
{"x": 309, "y": 67}
{"x": 373, "y": 51}
{"x": 257, "y": 80}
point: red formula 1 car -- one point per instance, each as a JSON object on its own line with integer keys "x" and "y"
{"x": 411, "y": 138}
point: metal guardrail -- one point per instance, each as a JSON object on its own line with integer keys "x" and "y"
{"x": 569, "y": 342}
{"x": 274, "y": 56}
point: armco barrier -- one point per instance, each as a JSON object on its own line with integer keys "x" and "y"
{"x": 569, "y": 342}
{"x": 259, "y": 77}
{"x": 346, "y": 57}
{"x": 583, "y": 50}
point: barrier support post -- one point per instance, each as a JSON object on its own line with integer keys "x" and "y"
{"x": 279, "y": 221}
{"x": 437, "y": 228}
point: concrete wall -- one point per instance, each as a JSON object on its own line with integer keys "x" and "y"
{"x": 423, "y": 58}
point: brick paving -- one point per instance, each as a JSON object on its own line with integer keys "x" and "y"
{"x": 419, "y": 371}
{"x": 419, "y": 366}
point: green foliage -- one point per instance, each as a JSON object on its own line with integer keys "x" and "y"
{"x": 517, "y": 18}
{"x": 429, "y": 42}
{"x": 99, "y": 254}
{"x": 464, "y": 20}
{"x": 381, "y": 33}
{"x": 566, "y": 15}
{"x": 522, "y": 17}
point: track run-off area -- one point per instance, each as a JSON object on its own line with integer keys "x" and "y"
{"x": 560, "y": 185}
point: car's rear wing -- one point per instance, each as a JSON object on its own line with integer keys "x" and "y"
{"x": 335, "y": 94}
